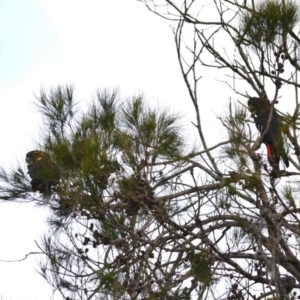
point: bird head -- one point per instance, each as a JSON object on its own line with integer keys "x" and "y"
{"x": 35, "y": 155}
{"x": 256, "y": 105}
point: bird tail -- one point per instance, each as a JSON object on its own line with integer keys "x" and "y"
{"x": 270, "y": 150}
{"x": 274, "y": 157}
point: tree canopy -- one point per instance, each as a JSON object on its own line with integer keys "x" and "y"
{"x": 138, "y": 212}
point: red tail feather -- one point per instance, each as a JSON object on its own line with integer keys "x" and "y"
{"x": 269, "y": 150}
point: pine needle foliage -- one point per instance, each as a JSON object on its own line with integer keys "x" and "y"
{"x": 135, "y": 214}
{"x": 112, "y": 159}
{"x": 248, "y": 220}
{"x": 270, "y": 21}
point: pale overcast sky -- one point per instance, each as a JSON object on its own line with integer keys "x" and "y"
{"x": 93, "y": 44}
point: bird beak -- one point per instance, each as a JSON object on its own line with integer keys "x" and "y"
{"x": 252, "y": 110}
{"x": 28, "y": 160}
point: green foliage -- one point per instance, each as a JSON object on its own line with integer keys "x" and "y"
{"x": 152, "y": 134}
{"x": 16, "y": 184}
{"x": 288, "y": 194}
{"x": 57, "y": 107}
{"x": 109, "y": 158}
{"x": 200, "y": 266}
{"x": 231, "y": 190}
{"x": 235, "y": 123}
{"x": 271, "y": 20}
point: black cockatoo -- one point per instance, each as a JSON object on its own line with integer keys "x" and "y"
{"x": 43, "y": 172}
{"x": 260, "y": 109}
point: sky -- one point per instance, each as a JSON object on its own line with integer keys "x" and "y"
{"x": 94, "y": 45}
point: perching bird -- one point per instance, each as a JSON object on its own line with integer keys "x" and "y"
{"x": 260, "y": 109}
{"x": 42, "y": 171}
